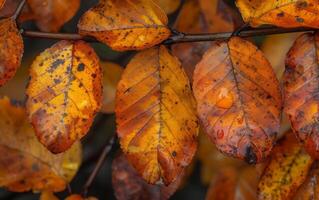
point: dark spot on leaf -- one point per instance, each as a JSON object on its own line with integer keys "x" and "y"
{"x": 81, "y": 67}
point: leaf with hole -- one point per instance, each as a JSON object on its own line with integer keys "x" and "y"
{"x": 24, "y": 163}
{"x": 286, "y": 170}
{"x": 301, "y": 88}
{"x": 11, "y": 49}
{"x": 126, "y": 25}
{"x": 156, "y": 118}
{"x": 64, "y": 94}
{"x": 282, "y": 13}
{"x": 238, "y": 99}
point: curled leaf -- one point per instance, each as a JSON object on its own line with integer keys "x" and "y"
{"x": 156, "y": 120}
{"x": 111, "y": 76}
{"x": 51, "y": 15}
{"x": 64, "y": 94}
{"x": 24, "y": 163}
{"x": 125, "y": 25}
{"x": 169, "y": 6}
{"x": 302, "y": 90}
{"x": 238, "y": 99}
{"x": 129, "y": 185}
{"x": 286, "y": 170}
{"x": 11, "y": 49}
{"x": 283, "y": 13}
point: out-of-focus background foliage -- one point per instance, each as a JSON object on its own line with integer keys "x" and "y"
{"x": 207, "y": 166}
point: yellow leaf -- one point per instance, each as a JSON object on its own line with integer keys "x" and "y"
{"x": 111, "y": 76}
{"x": 24, "y": 163}
{"x": 51, "y": 15}
{"x": 64, "y": 93}
{"x": 126, "y": 25}
{"x": 11, "y": 49}
{"x": 283, "y": 13}
{"x": 169, "y": 6}
{"x": 286, "y": 170}
{"x": 156, "y": 120}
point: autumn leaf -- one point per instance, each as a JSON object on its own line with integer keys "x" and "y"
{"x": 128, "y": 184}
{"x": 64, "y": 94}
{"x": 156, "y": 120}
{"x": 199, "y": 16}
{"x": 286, "y": 170}
{"x": 234, "y": 184}
{"x": 169, "y": 6}
{"x": 283, "y": 13}
{"x": 238, "y": 99}
{"x": 126, "y": 25}
{"x": 24, "y": 163}
{"x": 10, "y": 7}
{"x": 45, "y": 195}
{"x": 302, "y": 91}
{"x": 51, "y": 15}
{"x": 2, "y": 2}
{"x": 309, "y": 190}
{"x": 111, "y": 76}
{"x": 11, "y": 49}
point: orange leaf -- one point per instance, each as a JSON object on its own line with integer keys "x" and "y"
{"x": 156, "y": 119}
{"x": 283, "y": 13}
{"x": 126, "y": 25}
{"x": 169, "y": 6}
{"x": 198, "y": 17}
{"x": 24, "y": 163}
{"x": 79, "y": 197}
{"x": 234, "y": 184}
{"x": 51, "y": 15}
{"x": 2, "y": 2}
{"x": 239, "y": 100}
{"x": 64, "y": 93}
{"x": 286, "y": 171}
{"x": 11, "y": 49}
{"x": 129, "y": 185}
{"x": 111, "y": 76}
{"x": 302, "y": 91}
{"x": 45, "y": 195}
{"x": 310, "y": 188}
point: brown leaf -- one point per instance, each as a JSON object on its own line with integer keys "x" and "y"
{"x": 169, "y": 6}
{"x": 2, "y": 2}
{"x": 286, "y": 171}
{"x": 283, "y": 13}
{"x": 51, "y": 15}
{"x": 310, "y": 188}
{"x": 128, "y": 184}
{"x": 234, "y": 184}
{"x": 45, "y": 195}
{"x": 156, "y": 120}
{"x": 10, "y": 7}
{"x": 11, "y": 49}
{"x": 64, "y": 93}
{"x": 111, "y": 76}
{"x": 126, "y": 25}
{"x": 24, "y": 163}
{"x": 239, "y": 100}
{"x": 302, "y": 90}
{"x": 199, "y": 16}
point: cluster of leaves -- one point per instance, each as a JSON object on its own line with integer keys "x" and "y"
{"x": 234, "y": 94}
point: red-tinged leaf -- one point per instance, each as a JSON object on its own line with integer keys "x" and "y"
{"x": 238, "y": 99}
{"x": 129, "y": 185}
{"x": 302, "y": 90}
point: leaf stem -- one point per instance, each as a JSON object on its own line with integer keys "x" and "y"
{"x": 98, "y": 165}
{"x": 18, "y": 10}
{"x": 177, "y": 37}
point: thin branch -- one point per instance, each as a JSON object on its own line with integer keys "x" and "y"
{"x": 177, "y": 37}
{"x": 18, "y": 10}
{"x": 98, "y": 165}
